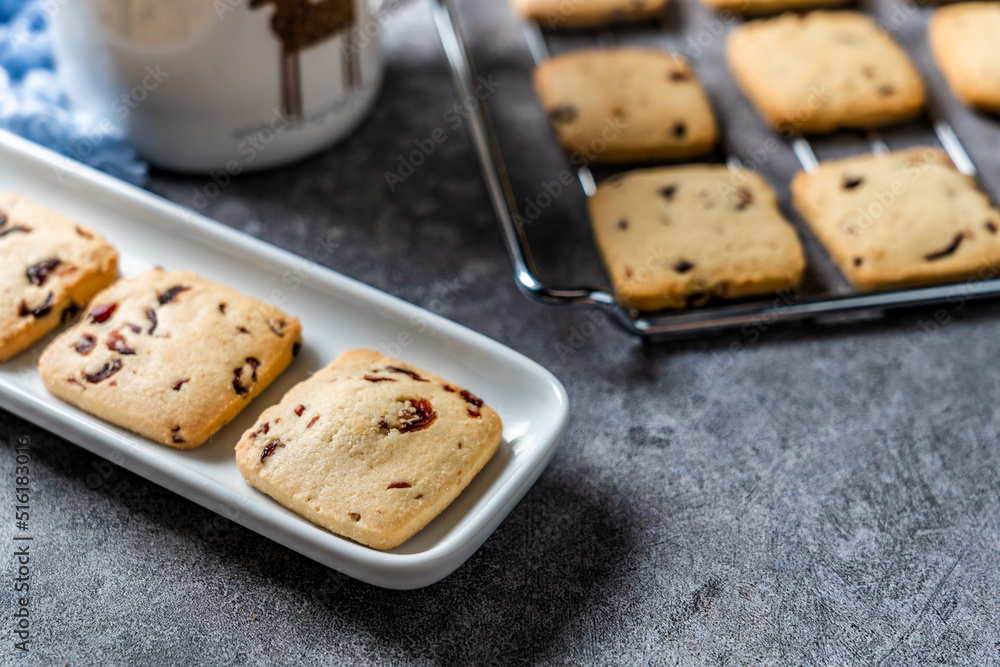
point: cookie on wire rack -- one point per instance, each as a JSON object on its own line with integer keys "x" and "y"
{"x": 556, "y": 14}
{"x": 675, "y": 237}
{"x": 763, "y": 7}
{"x": 626, "y": 105}
{"x": 823, "y": 71}
{"x": 963, "y": 38}
{"x": 909, "y": 217}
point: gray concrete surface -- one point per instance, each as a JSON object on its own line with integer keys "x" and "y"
{"x": 826, "y": 494}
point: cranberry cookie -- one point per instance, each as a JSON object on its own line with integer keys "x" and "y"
{"x": 823, "y": 71}
{"x": 626, "y": 105}
{"x": 906, "y": 217}
{"x": 554, "y": 14}
{"x": 170, "y": 355}
{"x": 51, "y": 267}
{"x": 674, "y": 237}
{"x": 963, "y": 38}
{"x": 761, "y": 7}
{"x": 369, "y": 447}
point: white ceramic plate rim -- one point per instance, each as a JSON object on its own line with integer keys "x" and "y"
{"x": 259, "y": 513}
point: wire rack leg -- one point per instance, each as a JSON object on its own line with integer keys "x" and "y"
{"x": 877, "y": 144}
{"x": 805, "y": 153}
{"x": 536, "y": 41}
{"x": 954, "y": 148}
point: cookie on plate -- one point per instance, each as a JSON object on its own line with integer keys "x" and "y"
{"x": 626, "y": 105}
{"x": 369, "y": 447}
{"x": 170, "y": 355}
{"x": 823, "y": 71}
{"x": 554, "y": 14}
{"x": 674, "y": 237}
{"x": 906, "y": 217}
{"x": 963, "y": 39}
{"x": 761, "y": 7}
{"x": 52, "y": 266}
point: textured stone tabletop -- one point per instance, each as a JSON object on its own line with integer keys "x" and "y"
{"x": 821, "y": 494}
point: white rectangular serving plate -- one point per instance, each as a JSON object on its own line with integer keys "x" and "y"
{"x": 337, "y": 314}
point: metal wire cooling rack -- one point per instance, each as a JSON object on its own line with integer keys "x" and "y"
{"x": 676, "y": 323}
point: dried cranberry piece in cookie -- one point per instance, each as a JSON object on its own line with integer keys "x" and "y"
{"x": 238, "y": 386}
{"x": 101, "y": 314}
{"x": 269, "y": 449}
{"x": 171, "y": 294}
{"x": 86, "y": 344}
{"x": 24, "y": 310}
{"x": 418, "y": 416}
{"x": 471, "y": 398}
{"x": 117, "y": 343}
{"x": 952, "y": 247}
{"x": 109, "y": 369}
{"x": 39, "y": 272}
{"x": 263, "y": 430}
{"x": 397, "y": 369}
{"x": 11, "y": 230}
{"x": 69, "y": 312}
{"x": 564, "y": 114}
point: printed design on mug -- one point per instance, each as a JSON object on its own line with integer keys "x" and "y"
{"x": 154, "y": 24}
{"x": 303, "y": 23}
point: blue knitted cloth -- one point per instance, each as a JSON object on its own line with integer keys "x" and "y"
{"x": 34, "y": 105}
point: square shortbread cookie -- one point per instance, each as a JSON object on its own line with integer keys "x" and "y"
{"x": 762, "y": 7}
{"x": 963, "y": 38}
{"x": 554, "y": 14}
{"x": 823, "y": 71}
{"x": 907, "y": 217}
{"x": 369, "y": 447}
{"x": 674, "y": 237}
{"x": 52, "y": 267}
{"x": 626, "y": 105}
{"x": 170, "y": 355}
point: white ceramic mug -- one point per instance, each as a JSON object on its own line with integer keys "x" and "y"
{"x": 234, "y": 85}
